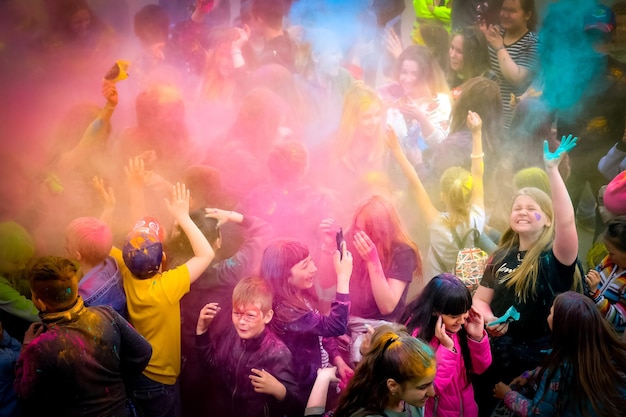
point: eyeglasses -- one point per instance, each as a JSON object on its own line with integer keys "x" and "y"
{"x": 248, "y": 316}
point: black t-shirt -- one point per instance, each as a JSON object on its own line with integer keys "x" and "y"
{"x": 553, "y": 278}
{"x": 403, "y": 264}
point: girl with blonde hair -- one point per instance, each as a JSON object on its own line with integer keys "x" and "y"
{"x": 395, "y": 376}
{"x": 463, "y": 196}
{"x": 536, "y": 259}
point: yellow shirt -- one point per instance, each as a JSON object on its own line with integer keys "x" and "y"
{"x": 154, "y": 310}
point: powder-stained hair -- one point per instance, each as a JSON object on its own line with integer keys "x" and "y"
{"x": 393, "y": 354}
{"x": 254, "y": 291}
{"x": 53, "y": 280}
{"x": 90, "y": 237}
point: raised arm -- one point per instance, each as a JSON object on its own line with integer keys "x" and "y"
{"x": 565, "y": 245}
{"x": 421, "y": 196}
{"x": 475, "y": 124}
{"x": 202, "y": 250}
{"x": 248, "y": 256}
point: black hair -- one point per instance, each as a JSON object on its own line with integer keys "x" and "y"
{"x": 444, "y": 294}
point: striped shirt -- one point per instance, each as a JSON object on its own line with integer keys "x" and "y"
{"x": 611, "y": 294}
{"x": 524, "y": 53}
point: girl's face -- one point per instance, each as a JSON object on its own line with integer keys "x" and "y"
{"x": 527, "y": 217}
{"x": 454, "y": 322}
{"x": 302, "y": 274}
{"x": 615, "y": 255}
{"x": 512, "y": 16}
{"x": 369, "y": 120}
{"x": 417, "y": 391}
{"x": 408, "y": 77}
{"x": 456, "y": 53}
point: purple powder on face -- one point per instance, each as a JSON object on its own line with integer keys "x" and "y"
{"x": 537, "y": 216}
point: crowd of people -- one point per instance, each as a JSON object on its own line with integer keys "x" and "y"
{"x": 266, "y": 213}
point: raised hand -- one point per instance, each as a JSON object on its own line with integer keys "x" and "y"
{"x": 494, "y": 37}
{"x": 136, "y": 172}
{"x": 107, "y": 195}
{"x": 179, "y": 204}
{"x": 109, "y": 92}
{"x": 393, "y": 43}
{"x": 474, "y": 122}
{"x": 222, "y": 216}
{"x": 207, "y": 314}
{"x": 552, "y": 159}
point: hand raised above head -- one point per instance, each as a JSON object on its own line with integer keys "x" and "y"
{"x": 109, "y": 92}
{"x": 178, "y": 206}
{"x": 393, "y": 43}
{"x": 552, "y": 159}
{"x": 136, "y": 173}
{"x": 474, "y": 122}
{"x": 106, "y": 193}
{"x": 222, "y": 216}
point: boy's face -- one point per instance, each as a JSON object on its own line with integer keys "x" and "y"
{"x": 249, "y": 320}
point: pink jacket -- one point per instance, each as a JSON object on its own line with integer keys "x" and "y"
{"x": 454, "y": 396}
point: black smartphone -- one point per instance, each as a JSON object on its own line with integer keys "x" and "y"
{"x": 339, "y": 239}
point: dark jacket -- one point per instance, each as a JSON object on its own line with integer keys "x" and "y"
{"x": 301, "y": 333}
{"x": 78, "y": 366}
{"x": 233, "y": 361}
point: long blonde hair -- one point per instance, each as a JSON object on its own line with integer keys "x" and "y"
{"x": 524, "y": 278}
{"x": 358, "y": 100}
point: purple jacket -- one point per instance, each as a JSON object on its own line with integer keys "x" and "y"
{"x": 454, "y": 396}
